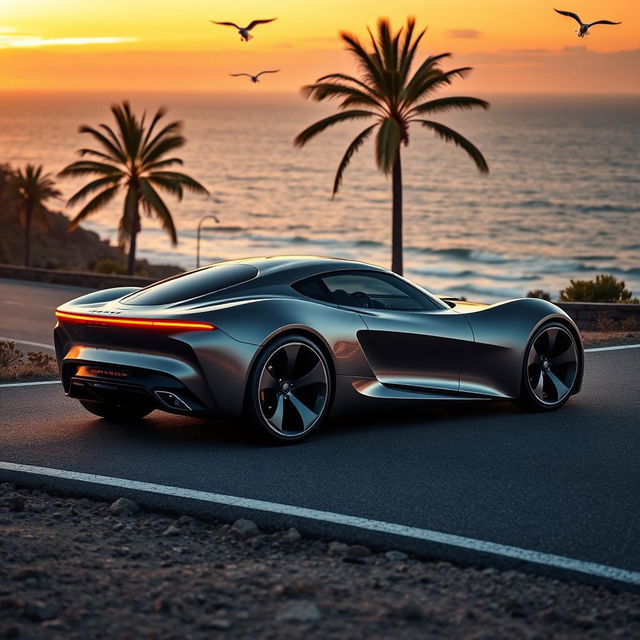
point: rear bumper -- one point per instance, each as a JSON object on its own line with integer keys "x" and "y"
{"x": 114, "y": 376}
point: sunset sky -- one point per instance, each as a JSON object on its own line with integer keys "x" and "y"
{"x": 514, "y": 46}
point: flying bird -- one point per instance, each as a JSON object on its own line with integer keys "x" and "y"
{"x": 254, "y": 79}
{"x": 584, "y": 27}
{"x": 245, "y": 36}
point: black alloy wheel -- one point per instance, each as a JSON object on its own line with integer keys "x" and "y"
{"x": 551, "y": 368}
{"x": 290, "y": 389}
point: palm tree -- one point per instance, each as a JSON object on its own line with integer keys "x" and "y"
{"x": 395, "y": 98}
{"x": 132, "y": 158}
{"x": 28, "y": 190}
{"x": 6, "y": 180}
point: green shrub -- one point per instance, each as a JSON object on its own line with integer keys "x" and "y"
{"x": 110, "y": 266}
{"x": 605, "y": 288}
{"x": 539, "y": 293}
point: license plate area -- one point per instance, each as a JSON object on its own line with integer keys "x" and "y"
{"x": 103, "y": 372}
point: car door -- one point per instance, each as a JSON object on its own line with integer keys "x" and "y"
{"x": 411, "y": 339}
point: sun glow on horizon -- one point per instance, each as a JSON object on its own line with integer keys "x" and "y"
{"x": 149, "y": 45}
{"x": 23, "y": 41}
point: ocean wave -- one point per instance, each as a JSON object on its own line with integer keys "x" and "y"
{"x": 228, "y": 229}
{"x": 461, "y": 253}
{"x": 531, "y": 204}
{"x": 369, "y": 243}
{"x": 588, "y": 258}
{"x": 606, "y": 208}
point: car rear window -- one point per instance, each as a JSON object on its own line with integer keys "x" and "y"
{"x": 193, "y": 284}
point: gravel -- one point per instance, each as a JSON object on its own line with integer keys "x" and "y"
{"x": 71, "y": 568}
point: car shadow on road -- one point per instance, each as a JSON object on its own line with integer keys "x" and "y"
{"x": 160, "y": 427}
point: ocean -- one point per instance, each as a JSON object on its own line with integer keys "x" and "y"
{"x": 562, "y": 200}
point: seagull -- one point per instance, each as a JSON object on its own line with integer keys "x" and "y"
{"x": 584, "y": 28}
{"x": 245, "y": 36}
{"x": 254, "y": 79}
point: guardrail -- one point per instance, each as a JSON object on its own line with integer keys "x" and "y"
{"x": 86, "y": 279}
{"x": 594, "y": 316}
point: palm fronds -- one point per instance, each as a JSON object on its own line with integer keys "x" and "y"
{"x": 132, "y": 157}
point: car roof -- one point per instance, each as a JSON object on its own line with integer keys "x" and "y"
{"x": 303, "y": 266}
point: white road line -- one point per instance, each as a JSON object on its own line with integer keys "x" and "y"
{"x": 42, "y": 345}
{"x": 28, "y": 384}
{"x": 518, "y": 553}
{"x": 621, "y": 346}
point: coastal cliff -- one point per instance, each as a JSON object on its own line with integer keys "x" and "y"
{"x": 55, "y": 247}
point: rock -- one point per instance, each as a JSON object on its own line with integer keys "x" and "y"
{"x": 16, "y": 503}
{"x": 256, "y": 542}
{"x": 410, "y": 610}
{"x": 396, "y": 556}
{"x": 291, "y": 535}
{"x": 162, "y": 605}
{"x": 184, "y": 521}
{"x": 358, "y": 551}
{"x": 37, "y": 507}
{"x": 171, "y": 530}
{"x": 29, "y": 572}
{"x": 39, "y": 611}
{"x": 123, "y": 507}
{"x": 337, "y": 548}
{"x": 299, "y": 588}
{"x": 221, "y": 624}
{"x": 244, "y": 529}
{"x": 299, "y": 611}
{"x": 55, "y": 625}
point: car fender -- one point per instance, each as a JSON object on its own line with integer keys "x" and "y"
{"x": 502, "y": 333}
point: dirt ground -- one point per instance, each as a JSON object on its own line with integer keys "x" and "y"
{"x": 74, "y": 568}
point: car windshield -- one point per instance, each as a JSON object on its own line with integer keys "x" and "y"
{"x": 193, "y": 284}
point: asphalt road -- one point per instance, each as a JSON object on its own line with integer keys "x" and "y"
{"x": 564, "y": 483}
{"x": 26, "y": 310}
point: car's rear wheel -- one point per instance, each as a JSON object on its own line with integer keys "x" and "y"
{"x": 125, "y": 411}
{"x": 551, "y": 368}
{"x": 289, "y": 389}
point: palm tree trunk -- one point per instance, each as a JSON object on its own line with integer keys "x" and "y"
{"x": 27, "y": 234}
{"x": 396, "y": 219}
{"x": 132, "y": 242}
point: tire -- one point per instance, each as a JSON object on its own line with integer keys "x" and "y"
{"x": 551, "y": 368}
{"x": 116, "y": 411}
{"x": 289, "y": 390}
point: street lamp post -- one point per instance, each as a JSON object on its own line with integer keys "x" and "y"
{"x": 212, "y": 217}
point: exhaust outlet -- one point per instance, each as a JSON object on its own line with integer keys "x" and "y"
{"x": 172, "y": 401}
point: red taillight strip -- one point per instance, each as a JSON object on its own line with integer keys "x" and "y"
{"x": 135, "y": 322}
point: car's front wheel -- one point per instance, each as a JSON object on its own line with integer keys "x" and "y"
{"x": 551, "y": 368}
{"x": 125, "y": 411}
{"x": 289, "y": 390}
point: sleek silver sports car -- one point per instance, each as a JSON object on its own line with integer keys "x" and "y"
{"x": 284, "y": 341}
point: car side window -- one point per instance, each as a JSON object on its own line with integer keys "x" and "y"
{"x": 376, "y": 291}
{"x": 314, "y": 288}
